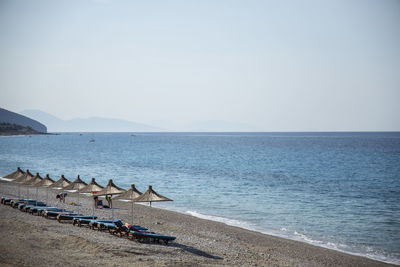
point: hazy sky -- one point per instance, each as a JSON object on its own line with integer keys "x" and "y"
{"x": 278, "y": 65}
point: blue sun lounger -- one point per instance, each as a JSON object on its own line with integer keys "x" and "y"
{"x": 6, "y": 200}
{"x": 40, "y": 210}
{"x": 68, "y": 217}
{"x": 150, "y": 237}
{"x": 54, "y": 213}
{"x": 27, "y": 208}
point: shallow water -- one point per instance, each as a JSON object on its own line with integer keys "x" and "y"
{"x": 338, "y": 190}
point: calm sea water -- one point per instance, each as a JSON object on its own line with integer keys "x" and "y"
{"x": 337, "y": 190}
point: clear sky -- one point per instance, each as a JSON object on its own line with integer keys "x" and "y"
{"x": 278, "y": 65}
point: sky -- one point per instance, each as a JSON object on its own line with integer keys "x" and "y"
{"x": 275, "y": 65}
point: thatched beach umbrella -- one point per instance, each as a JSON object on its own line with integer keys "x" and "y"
{"x": 46, "y": 183}
{"x": 75, "y": 186}
{"x": 14, "y": 175}
{"x": 60, "y": 183}
{"x": 111, "y": 189}
{"x": 130, "y": 195}
{"x": 151, "y": 196}
{"x": 30, "y": 181}
{"x": 91, "y": 188}
{"x": 25, "y": 177}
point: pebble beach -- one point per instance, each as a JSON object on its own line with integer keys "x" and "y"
{"x": 28, "y": 240}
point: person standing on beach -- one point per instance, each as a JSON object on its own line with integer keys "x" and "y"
{"x": 109, "y": 200}
{"x": 96, "y": 201}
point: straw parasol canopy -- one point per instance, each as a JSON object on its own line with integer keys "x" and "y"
{"x": 76, "y": 185}
{"x": 92, "y": 187}
{"x": 14, "y": 175}
{"x": 45, "y": 182}
{"x": 30, "y": 182}
{"x": 151, "y": 196}
{"x": 61, "y": 183}
{"x": 111, "y": 189}
{"x": 130, "y": 195}
{"x": 27, "y": 175}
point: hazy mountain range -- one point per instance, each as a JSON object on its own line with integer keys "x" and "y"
{"x": 97, "y": 124}
{"x": 93, "y": 124}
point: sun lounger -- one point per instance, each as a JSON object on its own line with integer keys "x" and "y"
{"x": 15, "y": 202}
{"x": 3, "y": 199}
{"x": 151, "y": 237}
{"x": 101, "y": 224}
{"x": 54, "y": 213}
{"x": 38, "y": 209}
{"x": 140, "y": 233}
{"x": 68, "y": 217}
{"x": 81, "y": 221}
{"x": 27, "y": 208}
{"x": 7, "y": 200}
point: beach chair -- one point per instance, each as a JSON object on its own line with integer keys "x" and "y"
{"x": 21, "y": 206}
{"x": 4, "y": 199}
{"x": 150, "y": 237}
{"x": 141, "y": 234}
{"x": 7, "y": 200}
{"x": 68, "y": 217}
{"x": 15, "y": 202}
{"x": 81, "y": 221}
{"x": 48, "y": 214}
{"x": 37, "y": 210}
{"x": 101, "y": 225}
{"x": 27, "y": 208}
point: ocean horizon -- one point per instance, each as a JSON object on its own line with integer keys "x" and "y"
{"x": 339, "y": 190}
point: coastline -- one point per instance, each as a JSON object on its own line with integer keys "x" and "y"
{"x": 199, "y": 241}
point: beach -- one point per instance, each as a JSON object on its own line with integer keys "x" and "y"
{"x": 28, "y": 240}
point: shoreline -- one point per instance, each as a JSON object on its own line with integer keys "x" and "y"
{"x": 198, "y": 241}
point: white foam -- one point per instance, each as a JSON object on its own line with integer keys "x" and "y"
{"x": 227, "y": 221}
{"x": 5, "y": 179}
{"x": 285, "y": 233}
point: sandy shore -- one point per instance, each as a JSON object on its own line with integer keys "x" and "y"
{"x": 28, "y": 240}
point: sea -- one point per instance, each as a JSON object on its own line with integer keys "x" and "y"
{"x": 338, "y": 190}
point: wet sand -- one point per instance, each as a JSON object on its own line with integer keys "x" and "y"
{"x": 27, "y": 240}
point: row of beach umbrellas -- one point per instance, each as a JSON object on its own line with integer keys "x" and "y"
{"x": 78, "y": 185}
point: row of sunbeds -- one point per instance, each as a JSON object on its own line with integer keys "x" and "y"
{"x": 115, "y": 227}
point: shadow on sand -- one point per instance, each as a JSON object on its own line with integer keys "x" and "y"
{"x": 195, "y": 251}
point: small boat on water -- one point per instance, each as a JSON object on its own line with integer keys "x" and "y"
{"x": 91, "y": 140}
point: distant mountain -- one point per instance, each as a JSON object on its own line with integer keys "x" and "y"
{"x": 10, "y": 117}
{"x": 94, "y": 124}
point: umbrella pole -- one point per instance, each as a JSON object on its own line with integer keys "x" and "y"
{"x": 37, "y": 194}
{"x": 132, "y": 212}
{"x": 151, "y": 214}
{"x": 78, "y": 201}
{"x": 47, "y": 195}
